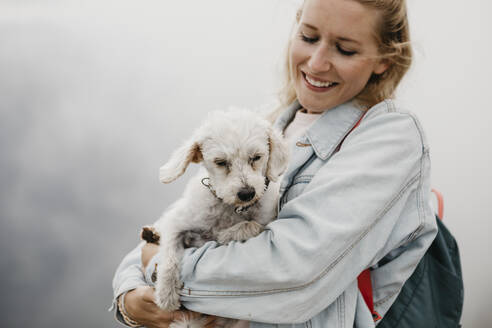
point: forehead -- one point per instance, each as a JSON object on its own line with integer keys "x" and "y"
{"x": 235, "y": 141}
{"x": 341, "y": 18}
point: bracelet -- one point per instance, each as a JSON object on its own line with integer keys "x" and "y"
{"x": 121, "y": 307}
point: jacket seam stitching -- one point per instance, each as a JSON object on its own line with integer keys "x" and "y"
{"x": 341, "y": 310}
{"x": 387, "y": 298}
{"x": 303, "y": 176}
{"x": 390, "y": 105}
{"x": 391, "y": 108}
{"x": 302, "y": 179}
{"x": 300, "y": 182}
{"x": 420, "y": 201}
{"x": 188, "y": 291}
{"x": 416, "y": 232}
{"x": 419, "y": 131}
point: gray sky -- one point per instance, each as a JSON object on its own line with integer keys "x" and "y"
{"x": 94, "y": 95}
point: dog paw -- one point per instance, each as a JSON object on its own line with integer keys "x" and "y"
{"x": 150, "y": 235}
{"x": 167, "y": 299}
{"x": 224, "y": 237}
{"x": 167, "y": 289}
{"x": 240, "y": 232}
{"x": 252, "y": 229}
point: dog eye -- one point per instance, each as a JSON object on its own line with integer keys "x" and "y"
{"x": 255, "y": 158}
{"x": 221, "y": 163}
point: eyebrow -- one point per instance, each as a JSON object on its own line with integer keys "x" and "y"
{"x": 340, "y": 38}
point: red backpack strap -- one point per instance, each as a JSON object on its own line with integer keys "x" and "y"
{"x": 356, "y": 125}
{"x": 440, "y": 203}
{"x": 365, "y": 287}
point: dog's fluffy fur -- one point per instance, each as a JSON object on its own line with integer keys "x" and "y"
{"x": 243, "y": 157}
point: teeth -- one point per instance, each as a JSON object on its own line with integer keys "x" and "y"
{"x": 318, "y": 83}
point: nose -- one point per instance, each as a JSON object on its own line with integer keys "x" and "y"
{"x": 246, "y": 194}
{"x": 319, "y": 60}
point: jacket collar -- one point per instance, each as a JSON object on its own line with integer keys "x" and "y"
{"x": 328, "y": 131}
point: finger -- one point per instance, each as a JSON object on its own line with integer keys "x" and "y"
{"x": 148, "y": 295}
{"x": 209, "y": 318}
{"x": 206, "y": 318}
{"x": 183, "y": 314}
{"x": 210, "y": 325}
{"x": 193, "y": 314}
{"x": 211, "y": 322}
{"x": 173, "y": 315}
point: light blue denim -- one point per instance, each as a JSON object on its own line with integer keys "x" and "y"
{"x": 366, "y": 206}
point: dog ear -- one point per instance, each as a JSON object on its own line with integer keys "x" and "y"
{"x": 279, "y": 155}
{"x": 179, "y": 161}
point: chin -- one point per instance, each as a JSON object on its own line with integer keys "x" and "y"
{"x": 315, "y": 106}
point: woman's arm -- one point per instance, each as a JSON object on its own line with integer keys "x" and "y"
{"x": 346, "y": 219}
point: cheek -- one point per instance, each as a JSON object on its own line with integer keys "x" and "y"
{"x": 355, "y": 72}
{"x": 297, "y": 54}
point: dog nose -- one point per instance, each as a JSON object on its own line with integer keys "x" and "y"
{"x": 246, "y": 194}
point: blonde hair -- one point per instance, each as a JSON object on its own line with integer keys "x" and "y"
{"x": 393, "y": 38}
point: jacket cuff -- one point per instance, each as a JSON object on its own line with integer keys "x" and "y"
{"x": 117, "y": 314}
{"x": 123, "y": 289}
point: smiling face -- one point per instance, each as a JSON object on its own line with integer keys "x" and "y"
{"x": 333, "y": 53}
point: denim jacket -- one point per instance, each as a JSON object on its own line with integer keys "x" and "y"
{"x": 340, "y": 212}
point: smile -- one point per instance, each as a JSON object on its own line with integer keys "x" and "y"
{"x": 316, "y": 85}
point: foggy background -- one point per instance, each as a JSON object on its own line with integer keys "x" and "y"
{"x": 94, "y": 95}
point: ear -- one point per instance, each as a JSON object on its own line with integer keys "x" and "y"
{"x": 279, "y": 155}
{"x": 381, "y": 67}
{"x": 179, "y": 161}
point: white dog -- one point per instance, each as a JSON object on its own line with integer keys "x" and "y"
{"x": 232, "y": 198}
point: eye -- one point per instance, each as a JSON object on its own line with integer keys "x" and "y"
{"x": 345, "y": 52}
{"x": 220, "y": 162}
{"x": 307, "y": 38}
{"x": 254, "y": 159}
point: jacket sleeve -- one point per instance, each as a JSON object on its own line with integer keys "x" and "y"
{"x": 128, "y": 276}
{"x": 343, "y": 222}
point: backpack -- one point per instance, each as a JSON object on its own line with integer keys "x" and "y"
{"x": 433, "y": 295}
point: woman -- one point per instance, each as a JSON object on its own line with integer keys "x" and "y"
{"x": 342, "y": 209}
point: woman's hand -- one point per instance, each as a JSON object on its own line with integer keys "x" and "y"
{"x": 140, "y": 306}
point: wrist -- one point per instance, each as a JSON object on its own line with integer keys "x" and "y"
{"x": 124, "y": 314}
